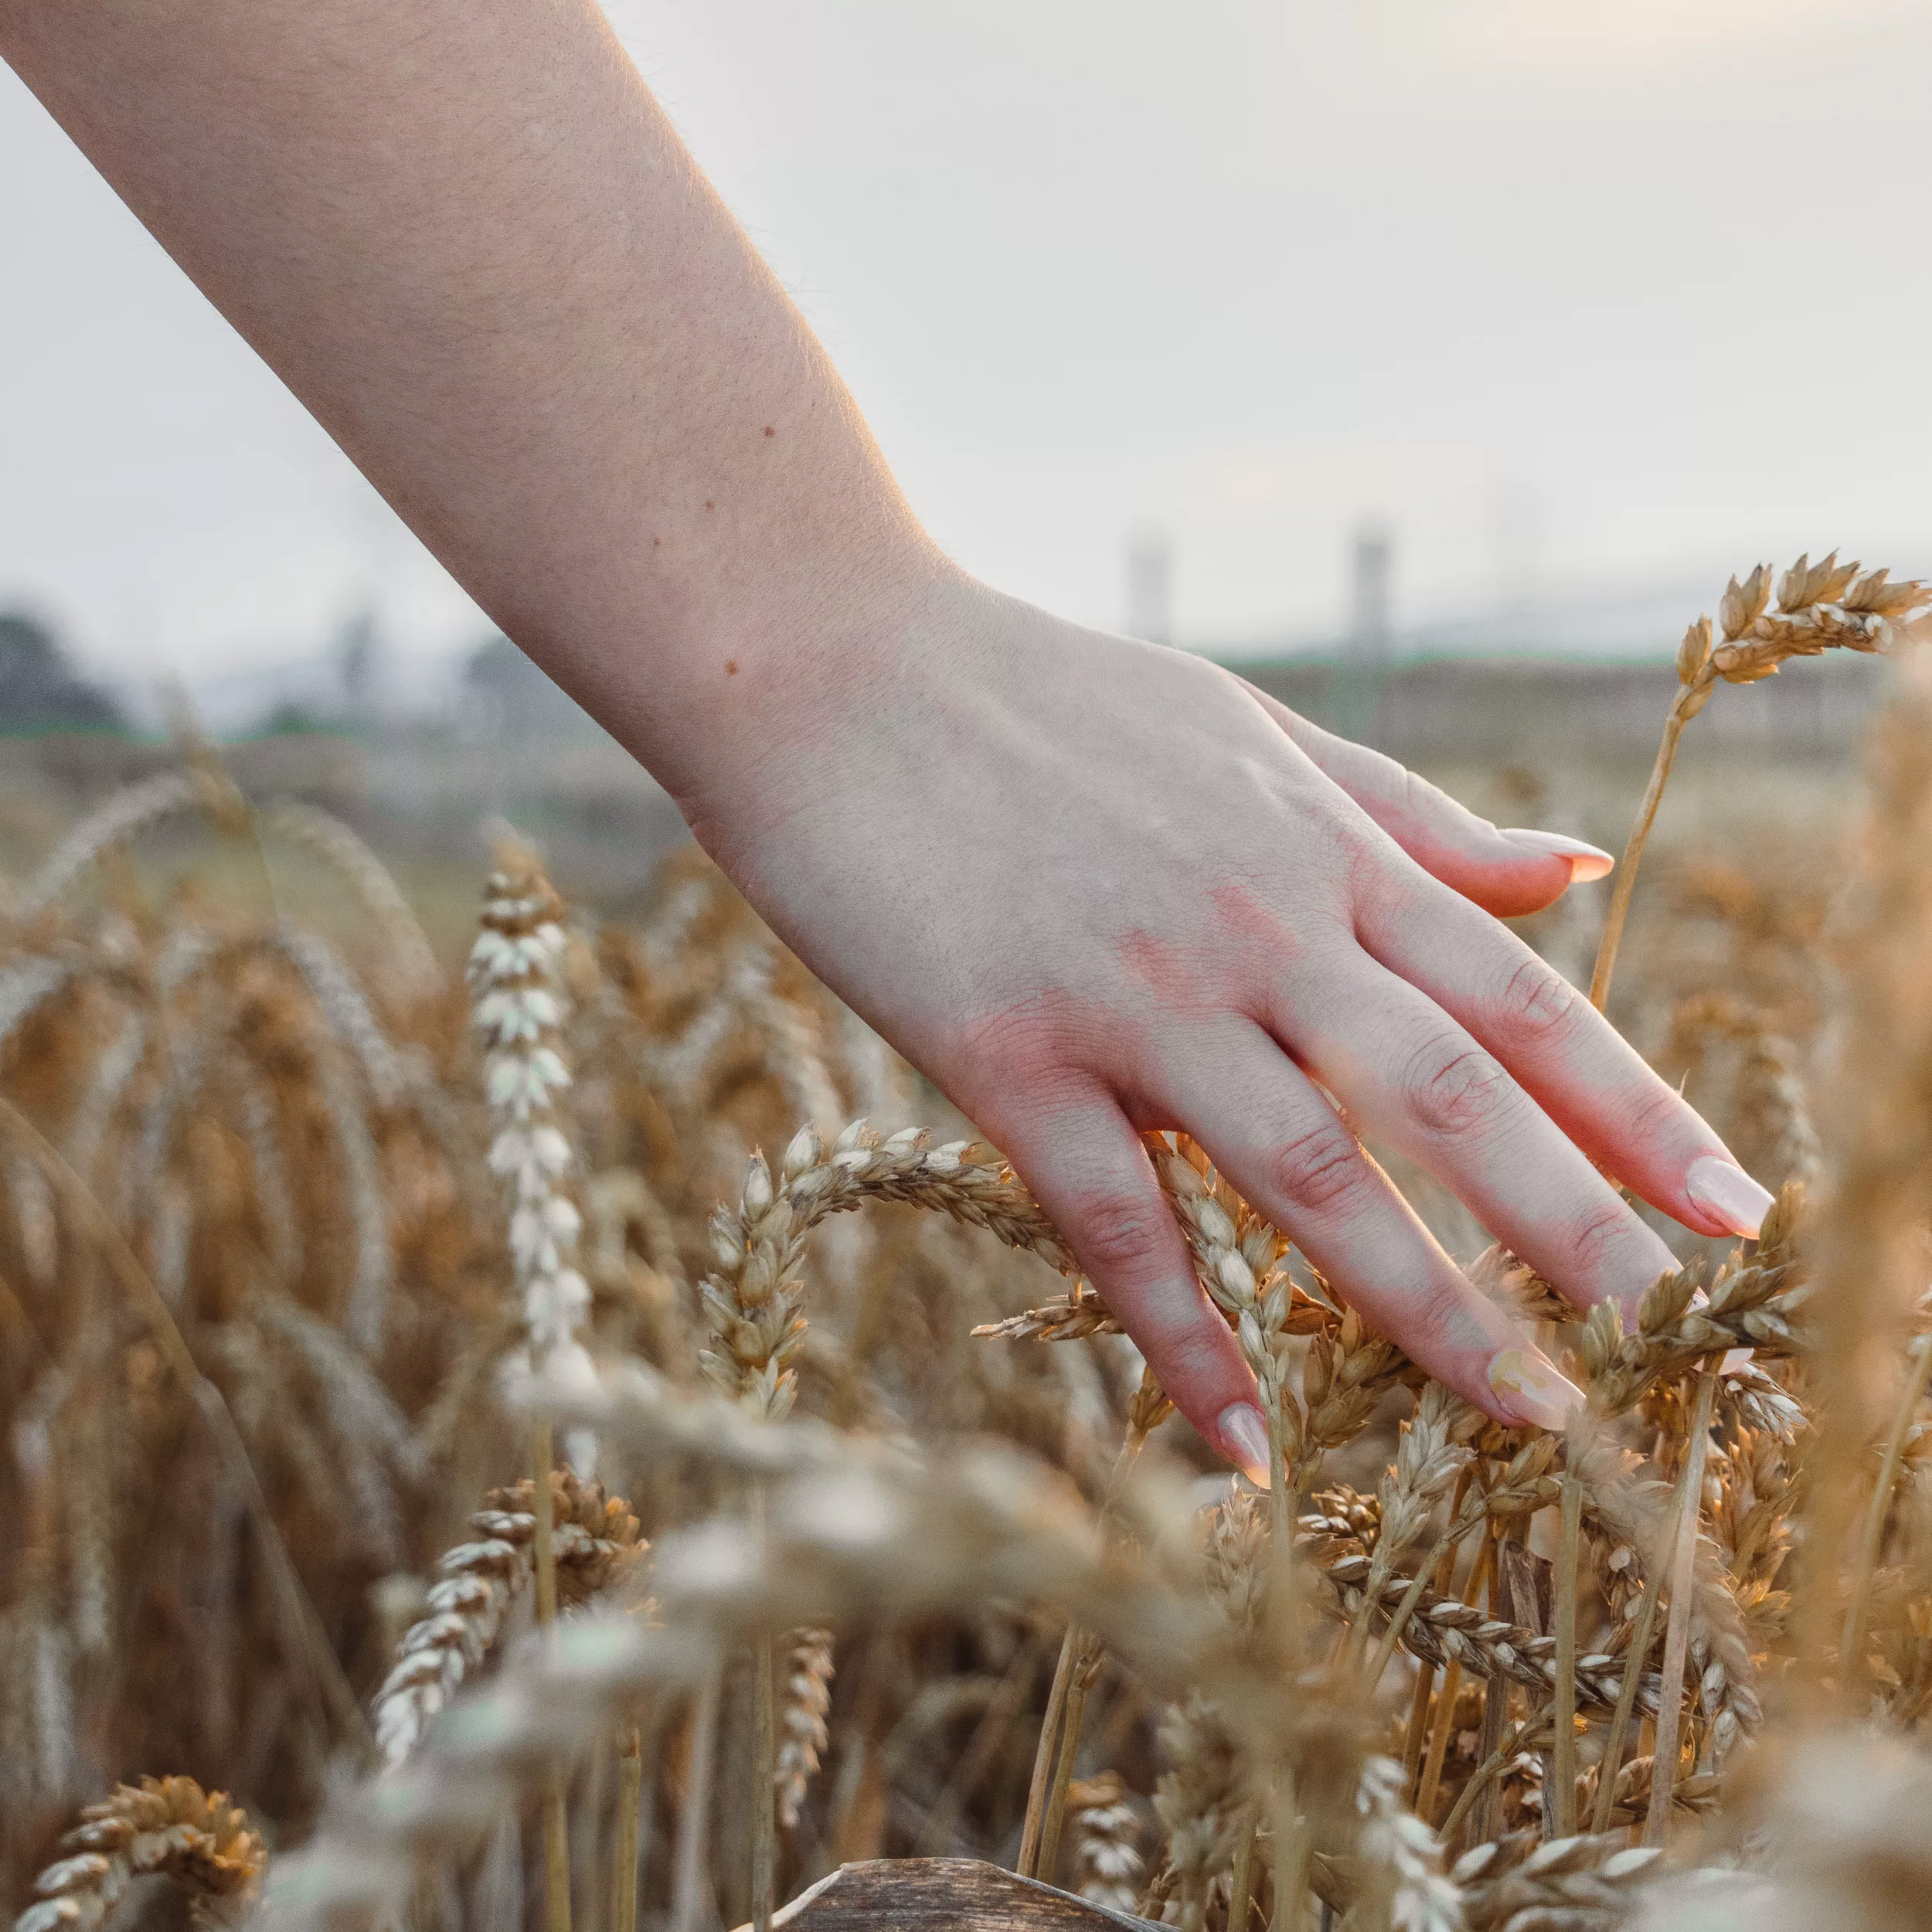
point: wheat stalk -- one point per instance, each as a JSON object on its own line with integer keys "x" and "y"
{"x": 518, "y": 1004}
{"x": 1820, "y": 606}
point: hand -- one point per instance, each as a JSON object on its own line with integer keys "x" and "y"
{"x": 1093, "y": 887}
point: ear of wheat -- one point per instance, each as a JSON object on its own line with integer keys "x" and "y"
{"x": 161, "y": 1828}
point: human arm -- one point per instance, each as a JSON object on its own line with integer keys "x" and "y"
{"x": 1090, "y": 887}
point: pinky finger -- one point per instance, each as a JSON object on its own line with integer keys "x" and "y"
{"x": 1087, "y": 1168}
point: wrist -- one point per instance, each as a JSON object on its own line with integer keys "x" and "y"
{"x": 764, "y": 699}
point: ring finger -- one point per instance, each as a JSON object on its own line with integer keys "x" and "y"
{"x": 1268, "y": 1127}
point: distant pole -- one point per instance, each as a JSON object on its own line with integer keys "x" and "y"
{"x": 357, "y": 650}
{"x": 1150, "y": 585}
{"x": 1370, "y": 626}
{"x": 1518, "y": 546}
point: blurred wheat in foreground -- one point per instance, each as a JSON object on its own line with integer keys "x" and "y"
{"x": 870, "y": 1536}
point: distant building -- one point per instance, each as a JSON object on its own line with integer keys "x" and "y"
{"x": 40, "y": 690}
{"x": 1371, "y": 617}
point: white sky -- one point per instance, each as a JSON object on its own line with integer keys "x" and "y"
{"x": 1575, "y": 296}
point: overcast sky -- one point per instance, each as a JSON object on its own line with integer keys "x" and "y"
{"x": 1574, "y": 296}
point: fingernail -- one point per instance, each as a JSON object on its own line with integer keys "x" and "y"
{"x": 1244, "y": 1440}
{"x": 1726, "y": 1192}
{"x": 1586, "y": 862}
{"x": 1533, "y": 1389}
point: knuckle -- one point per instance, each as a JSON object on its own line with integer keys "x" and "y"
{"x": 1424, "y": 803}
{"x": 1319, "y": 1171}
{"x": 1656, "y": 1117}
{"x": 1123, "y": 1233}
{"x": 1197, "y": 1358}
{"x": 1033, "y": 1042}
{"x": 1536, "y": 1003}
{"x": 1597, "y": 1237}
{"x": 1455, "y": 1088}
{"x": 1429, "y": 1327}
{"x": 1335, "y": 823}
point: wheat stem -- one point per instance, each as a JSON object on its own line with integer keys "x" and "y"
{"x": 1431, "y": 1785}
{"x": 1685, "y": 1514}
{"x": 1417, "y": 1735}
{"x": 1291, "y": 1854}
{"x": 1612, "y": 1760}
{"x": 1241, "y": 1885}
{"x": 556, "y": 1821}
{"x": 764, "y": 1797}
{"x": 1562, "y": 1813}
{"x": 1085, "y": 1668}
{"x": 764, "y": 1756}
{"x": 1852, "y": 1645}
{"x": 1619, "y": 907}
{"x": 688, "y": 1899}
{"x": 1045, "y": 1756}
{"x": 1446, "y": 1703}
{"x": 1479, "y": 1782}
{"x": 1053, "y": 1765}
{"x": 1415, "y": 1731}
{"x": 543, "y": 1508}
{"x": 624, "y": 1877}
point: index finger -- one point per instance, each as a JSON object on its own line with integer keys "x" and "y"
{"x": 1577, "y": 1067}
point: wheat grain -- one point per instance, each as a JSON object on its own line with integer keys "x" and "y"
{"x": 518, "y": 1004}
{"x": 753, "y": 1296}
{"x": 596, "y": 1544}
{"x": 162, "y": 1827}
{"x": 806, "y": 1698}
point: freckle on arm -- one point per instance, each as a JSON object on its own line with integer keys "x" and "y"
{"x": 731, "y": 667}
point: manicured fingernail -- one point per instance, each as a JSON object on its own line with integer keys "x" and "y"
{"x": 1726, "y": 1192}
{"x": 1586, "y": 862}
{"x": 1244, "y": 1440}
{"x": 1532, "y": 1388}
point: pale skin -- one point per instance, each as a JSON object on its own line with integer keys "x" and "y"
{"x": 1091, "y": 887}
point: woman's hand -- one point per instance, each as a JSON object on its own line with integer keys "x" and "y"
{"x": 1091, "y": 887}
{"x": 1094, "y": 887}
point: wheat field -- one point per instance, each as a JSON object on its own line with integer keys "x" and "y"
{"x": 589, "y": 1440}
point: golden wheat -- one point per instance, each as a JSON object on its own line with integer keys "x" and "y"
{"x": 300, "y": 1254}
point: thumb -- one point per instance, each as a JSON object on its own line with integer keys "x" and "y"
{"x": 1505, "y": 873}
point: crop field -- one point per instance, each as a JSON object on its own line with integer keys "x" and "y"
{"x": 553, "y": 1424}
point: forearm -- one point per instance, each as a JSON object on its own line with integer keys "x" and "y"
{"x": 465, "y": 236}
